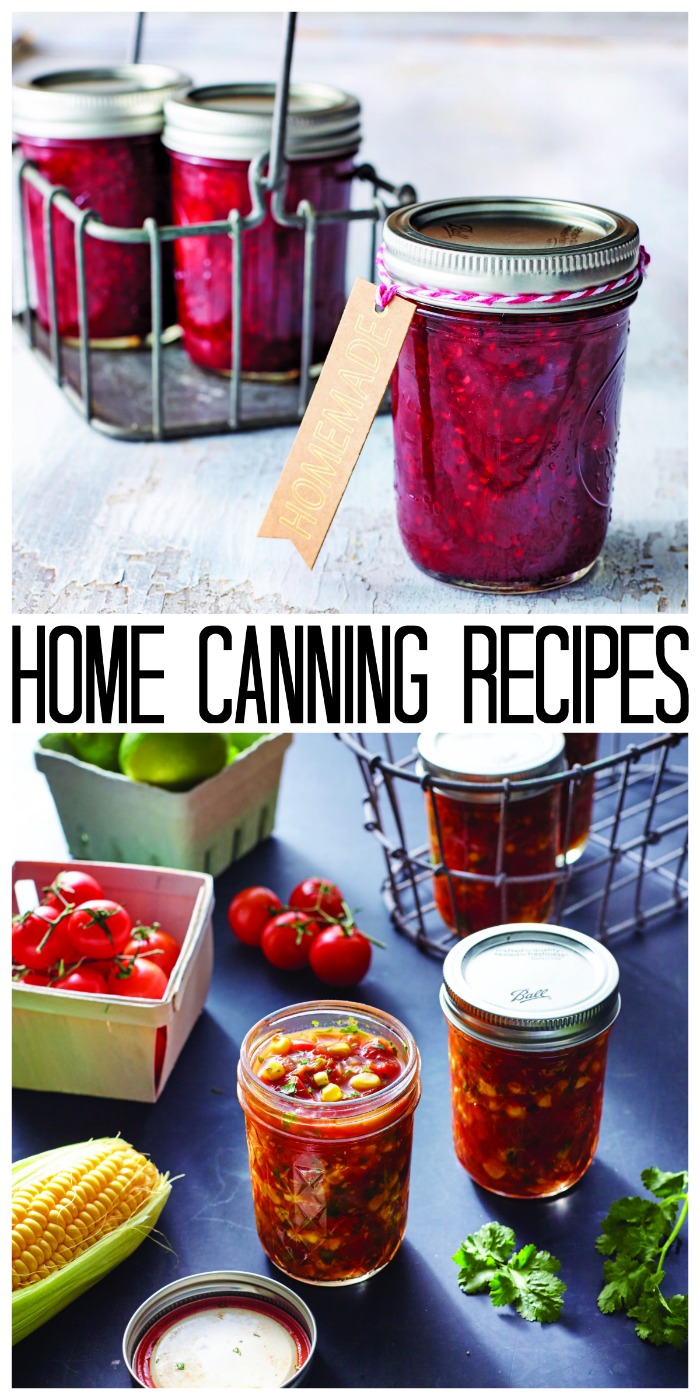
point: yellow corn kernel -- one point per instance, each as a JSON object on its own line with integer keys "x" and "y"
{"x": 516, "y": 1110}
{"x": 321, "y": 1078}
{"x": 272, "y": 1070}
{"x": 365, "y": 1080}
{"x": 582, "y": 1079}
{"x": 279, "y": 1045}
{"x": 337, "y": 1047}
{"x": 331, "y": 1093}
{"x": 494, "y": 1169}
{"x": 485, "y": 1088}
{"x": 544, "y": 1101}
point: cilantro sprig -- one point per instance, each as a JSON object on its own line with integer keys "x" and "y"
{"x": 637, "y": 1234}
{"x": 525, "y": 1278}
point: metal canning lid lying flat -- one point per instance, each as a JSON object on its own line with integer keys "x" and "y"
{"x": 229, "y": 1330}
{"x": 233, "y": 121}
{"x": 470, "y": 757}
{"x": 85, "y": 103}
{"x": 510, "y": 245}
{"x": 530, "y": 986}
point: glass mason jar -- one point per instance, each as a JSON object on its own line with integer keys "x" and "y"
{"x": 95, "y": 132}
{"x": 499, "y": 845}
{"x": 213, "y": 135}
{"x": 506, "y": 416}
{"x": 529, "y": 1011}
{"x": 577, "y": 801}
{"x": 330, "y": 1179}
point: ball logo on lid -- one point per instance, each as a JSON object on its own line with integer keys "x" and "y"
{"x": 522, "y": 994}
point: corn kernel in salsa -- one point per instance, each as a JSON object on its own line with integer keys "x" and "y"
{"x": 320, "y": 1059}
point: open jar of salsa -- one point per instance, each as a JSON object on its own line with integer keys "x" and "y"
{"x": 577, "y": 798}
{"x": 95, "y": 133}
{"x": 329, "y": 1090}
{"x": 494, "y": 823}
{"x": 215, "y": 135}
{"x": 506, "y": 394}
{"x": 529, "y": 1011}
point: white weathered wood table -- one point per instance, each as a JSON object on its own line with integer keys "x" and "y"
{"x": 583, "y": 106}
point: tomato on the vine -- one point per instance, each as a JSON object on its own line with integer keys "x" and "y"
{"x": 286, "y": 940}
{"x": 151, "y": 941}
{"x": 82, "y": 979}
{"x": 339, "y": 956}
{"x": 40, "y": 938}
{"x": 250, "y": 910}
{"x": 137, "y": 977}
{"x": 317, "y": 896}
{"x": 98, "y": 929}
{"x": 72, "y": 887}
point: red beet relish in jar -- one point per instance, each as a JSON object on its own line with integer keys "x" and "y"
{"x": 506, "y": 417}
{"x": 95, "y": 132}
{"x": 529, "y": 1012}
{"x": 494, "y": 822}
{"x": 329, "y": 1090}
{"x": 213, "y": 135}
{"x": 576, "y": 823}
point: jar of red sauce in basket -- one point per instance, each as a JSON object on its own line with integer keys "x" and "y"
{"x": 329, "y": 1090}
{"x": 217, "y": 138}
{"x": 95, "y": 133}
{"x": 529, "y": 1011}
{"x": 494, "y": 822}
{"x": 506, "y": 394}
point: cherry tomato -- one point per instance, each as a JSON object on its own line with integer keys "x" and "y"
{"x": 317, "y": 896}
{"x": 151, "y": 941}
{"x": 35, "y": 979}
{"x": 82, "y": 979}
{"x": 29, "y": 933}
{"x": 287, "y": 938}
{"x": 98, "y": 929}
{"x": 72, "y": 887}
{"x": 249, "y": 912}
{"x": 137, "y": 977}
{"x": 340, "y": 958}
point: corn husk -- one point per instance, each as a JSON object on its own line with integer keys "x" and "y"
{"x": 35, "y": 1304}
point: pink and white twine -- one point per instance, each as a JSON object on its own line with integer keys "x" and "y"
{"x": 389, "y": 288}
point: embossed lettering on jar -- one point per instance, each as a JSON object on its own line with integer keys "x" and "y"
{"x": 217, "y": 138}
{"x": 529, "y": 1011}
{"x": 96, "y": 134}
{"x": 506, "y": 395}
{"x": 500, "y": 850}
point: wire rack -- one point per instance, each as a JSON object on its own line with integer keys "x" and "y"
{"x": 632, "y": 871}
{"x": 156, "y": 392}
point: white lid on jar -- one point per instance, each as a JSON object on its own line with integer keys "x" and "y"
{"x": 531, "y": 986}
{"x": 511, "y": 245}
{"x": 89, "y": 103}
{"x": 468, "y": 756}
{"x": 233, "y": 121}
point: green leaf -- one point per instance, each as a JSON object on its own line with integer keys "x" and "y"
{"x": 639, "y": 1232}
{"x": 480, "y": 1255}
{"x": 665, "y": 1183}
{"x": 661, "y": 1320}
{"x": 636, "y": 1226}
{"x": 529, "y": 1282}
{"x": 624, "y": 1280}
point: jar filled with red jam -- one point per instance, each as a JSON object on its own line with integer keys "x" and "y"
{"x": 494, "y": 823}
{"x": 529, "y": 1011}
{"x": 214, "y": 135}
{"x": 329, "y": 1090}
{"x": 506, "y": 396}
{"x": 95, "y": 133}
{"x": 577, "y": 797}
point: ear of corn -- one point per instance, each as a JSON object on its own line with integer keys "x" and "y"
{"x": 76, "y": 1213}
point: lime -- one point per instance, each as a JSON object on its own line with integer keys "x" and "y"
{"x": 102, "y": 750}
{"x": 57, "y": 743}
{"x": 176, "y": 761}
{"x": 238, "y": 742}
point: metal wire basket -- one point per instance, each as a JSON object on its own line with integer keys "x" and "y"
{"x": 631, "y": 872}
{"x": 156, "y": 392}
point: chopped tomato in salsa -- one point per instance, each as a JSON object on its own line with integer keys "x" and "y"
{"x": 328, "y": 1064}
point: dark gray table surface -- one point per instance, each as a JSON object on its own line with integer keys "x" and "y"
{"x": 410, "y": 1326}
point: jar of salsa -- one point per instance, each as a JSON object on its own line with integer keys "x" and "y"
{"x": 329, "y": 1090}
{"x": 95, "y": 132}
{"x": 506, "y": 394}
{"x": 577, "y": 797}
{"x": 529, "y": 1011}
{"x": 214, "y": 135}
{"x": 494, "y": 823}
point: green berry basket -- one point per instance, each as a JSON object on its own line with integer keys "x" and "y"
{"x": 106, "y": 816}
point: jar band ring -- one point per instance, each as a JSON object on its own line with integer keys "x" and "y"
{"x": 443, "y": 296}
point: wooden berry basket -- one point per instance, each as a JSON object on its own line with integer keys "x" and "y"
{"x": 106, "y": 816}
{"x": 125, "y": 1048}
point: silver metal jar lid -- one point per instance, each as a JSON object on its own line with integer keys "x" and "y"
{"x": 233, "y": 121}
{"x": 511, "y": 245}
{"x": 233, "y": 1283}
{"x": 530, "y": 986}
{"x": 84, "y": 103}
{"x": 487, "y": 758}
